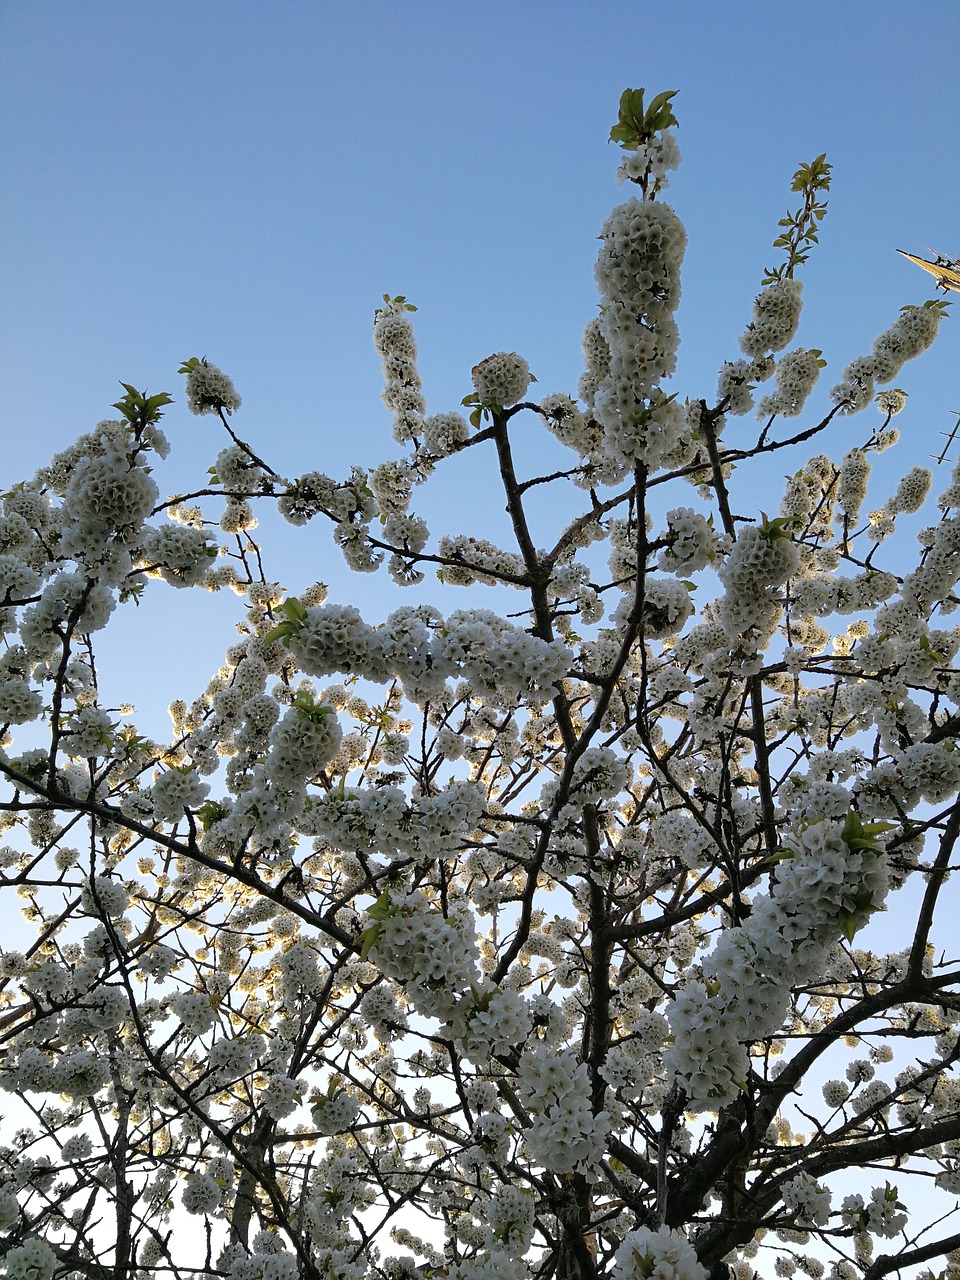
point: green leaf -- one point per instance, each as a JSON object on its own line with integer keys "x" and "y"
{"x": 776, "y": 528}
{"x": 294, "y": 609}
{"x": 877, "y": 828}
{"x": 631, "y": 104}
{"x": 209, "y": 813}
{"x": 139, "y": 409}
{"x": 848, "y": 924}
{"x": 779, "y": 855}
{"x": 282, "y": 631}
{"x": 635, "y": 125}
{"x": 381, "y": 908}
{"x": 852, "y": 827}
{"x": 928, "y": 648}
{"x": 659, "y": 112}
{"x": 368, "y": 939}
{"x": 644, "y": 1264}
{"x": 482, "y": 1002}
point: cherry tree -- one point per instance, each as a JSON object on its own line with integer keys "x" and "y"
{"x": 470, "y": 944}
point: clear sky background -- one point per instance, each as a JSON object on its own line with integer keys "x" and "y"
{"x": 245, "y": 180}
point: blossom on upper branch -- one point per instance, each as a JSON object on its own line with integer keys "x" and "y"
{"x": 638, "y": 274}
{"x": 501, "y": 380}
{"x": 776, "y": 314}
{"x": 209, "y": 389}
{"x": 657, "y": 1255}
{"x": 403, "y": 390}
{"x": 796, "y": 374}
{"x": 909, "y": 335}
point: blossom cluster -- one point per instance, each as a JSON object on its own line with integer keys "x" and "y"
{"x": 638, "y": 274}
{"x": 758, "y": 564}
{"x": 424, "y": 650}
{"x": 657, "y": 1255}
{"x": 795, "y": 375}
{"x": 653, "y": 159}
{"x": 565, "y": 1134}
{"x": 210, "y": 390}
{"x": 908, "y": 337}
{"x": 776, "y": 314}
{"x": 742, "y": 992}
{"x": 403, "y": 391}
{"x": 691, "y": 542}
{"x": 501, "y": 380}
{"x": 883, "y": 1215}
{"x": 382, "y": 823}
{"x": 433, "y": 955}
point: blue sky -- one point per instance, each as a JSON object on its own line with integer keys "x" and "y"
{"x": 245, "y": 180}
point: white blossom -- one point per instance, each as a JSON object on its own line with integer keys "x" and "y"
{"x": 210, "y": 390}
{"x": 501, "y": 380}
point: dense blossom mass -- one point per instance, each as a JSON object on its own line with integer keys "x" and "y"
{"x": 499, "y": 945}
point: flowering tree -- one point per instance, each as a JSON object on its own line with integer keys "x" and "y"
{"x": 469, "y": 946}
